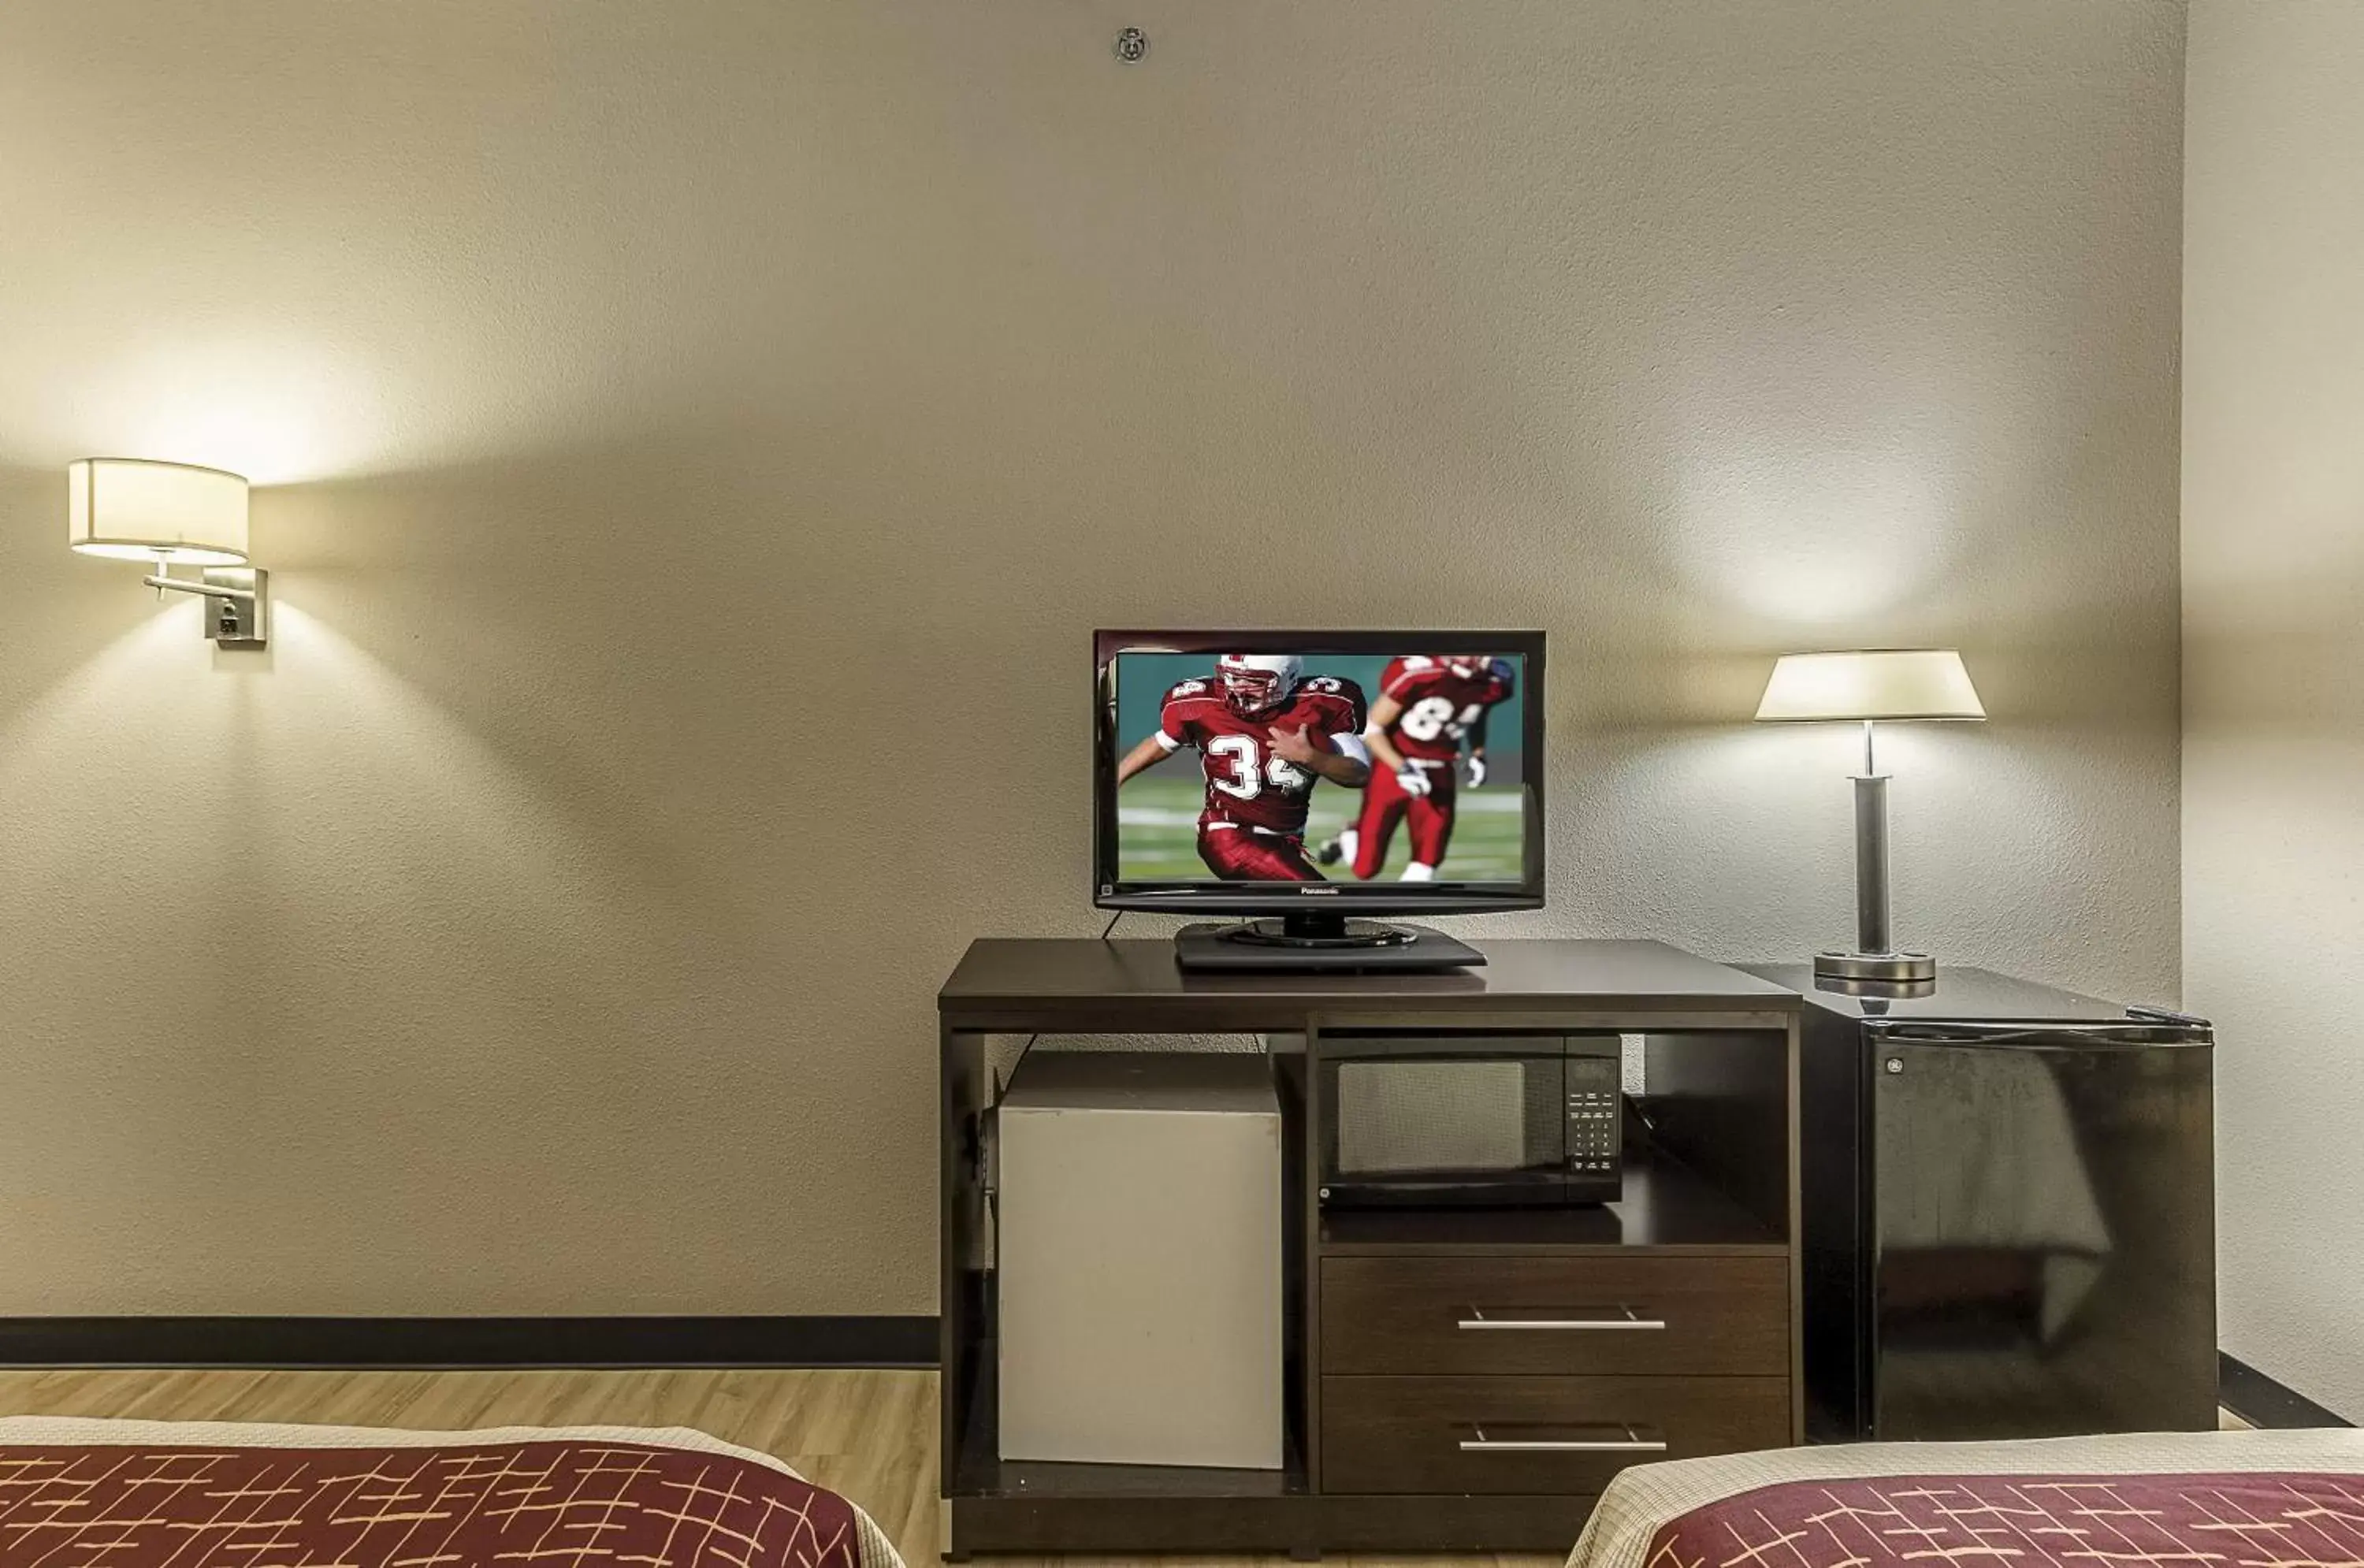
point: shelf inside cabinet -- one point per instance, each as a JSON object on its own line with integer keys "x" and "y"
{"x": 1666, "y": 1207}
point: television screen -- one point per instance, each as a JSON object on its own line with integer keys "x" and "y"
{"x": 1239, "y": 771}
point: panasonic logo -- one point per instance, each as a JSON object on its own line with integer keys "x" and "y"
{"x": 1319, "y": 892}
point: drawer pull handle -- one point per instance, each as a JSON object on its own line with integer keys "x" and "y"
{"x": 1632, "y": 1442}
{"x": 1633, "y": 1319}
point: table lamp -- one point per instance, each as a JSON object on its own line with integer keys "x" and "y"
{"x": 1870, "y": 685}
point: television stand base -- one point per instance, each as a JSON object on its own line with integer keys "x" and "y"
{"x": 1324, "y": 941}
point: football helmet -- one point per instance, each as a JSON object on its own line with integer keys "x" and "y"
{"x": 1476, "y": 666}
{"x": 1258, "y": 683}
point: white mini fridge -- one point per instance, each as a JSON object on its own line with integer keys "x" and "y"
{"x": 1138, "y": 1215}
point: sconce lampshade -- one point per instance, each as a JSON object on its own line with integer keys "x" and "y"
{"x": 1904, "y": 682}
{"x": 132, "y": 509}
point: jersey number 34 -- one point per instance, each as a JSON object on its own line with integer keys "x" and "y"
{"x": 1250, "y": 769}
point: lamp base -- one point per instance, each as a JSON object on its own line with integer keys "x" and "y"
{"x": 1890, "y": 967}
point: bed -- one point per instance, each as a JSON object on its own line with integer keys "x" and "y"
{"x": 2282, "y": 1499}
{"x": 85, "y": 1494}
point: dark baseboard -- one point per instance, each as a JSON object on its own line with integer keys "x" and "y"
{"x": 2260, "y": 1401}
{"x": 467, "y": 1341}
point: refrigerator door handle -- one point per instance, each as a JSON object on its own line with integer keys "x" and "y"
{"x": 2065, "y": 1036}
{"x": 2167, "y": 1016}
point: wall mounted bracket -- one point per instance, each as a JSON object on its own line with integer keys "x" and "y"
{"x": 237, "y": 603}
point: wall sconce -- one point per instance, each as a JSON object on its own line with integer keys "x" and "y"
{"x": 171, "y": 514}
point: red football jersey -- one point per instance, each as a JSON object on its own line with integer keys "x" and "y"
{"x": 1248, "y": 782}
{"x": 1438, "y": 703}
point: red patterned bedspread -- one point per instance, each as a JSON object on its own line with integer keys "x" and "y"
{"x": 2235, "y": 1521}
{"x": 532, "y": 1505}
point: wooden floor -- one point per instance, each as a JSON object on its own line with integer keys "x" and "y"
{"x": 869, "y": 1435}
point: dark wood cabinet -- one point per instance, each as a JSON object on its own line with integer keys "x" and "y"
{"x": 1461, "y": 1381}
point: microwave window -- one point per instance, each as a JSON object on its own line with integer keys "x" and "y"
{"x": 1405, "y": 1117}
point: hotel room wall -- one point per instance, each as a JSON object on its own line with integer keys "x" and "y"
{"x": 2273, "y": 623}
{"x": 698, "y": 439}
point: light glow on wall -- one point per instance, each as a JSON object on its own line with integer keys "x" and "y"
{"x": 1813, "y": 538}
{"x": 278, "y": 411}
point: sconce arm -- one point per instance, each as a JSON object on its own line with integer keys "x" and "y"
{"x": 211, "y": 590}
{"x": 239, "y": 613}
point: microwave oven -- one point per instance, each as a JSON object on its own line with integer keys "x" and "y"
{"x": 1413, "y": 1119}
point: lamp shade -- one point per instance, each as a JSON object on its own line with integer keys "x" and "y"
{"x": 1898, "y": 683}
{"x": 132, "y": 510}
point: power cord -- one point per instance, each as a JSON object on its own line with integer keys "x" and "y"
{"x": 1032, "y": 1038}
{"x": 1000, "y": 1087}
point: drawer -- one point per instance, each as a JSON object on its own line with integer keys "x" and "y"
{"x": 1568, "y": 1315}
{"x": 1532, "y": 1435}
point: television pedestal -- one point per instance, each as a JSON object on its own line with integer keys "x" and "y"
{"x": 1319, "y": 941}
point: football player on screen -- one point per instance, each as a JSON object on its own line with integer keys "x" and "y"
{"x": 1267, "y": 734}
{"x": 1430, "y": 706}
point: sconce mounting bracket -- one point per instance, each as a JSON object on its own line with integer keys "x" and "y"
{"x": 237, "y": 603}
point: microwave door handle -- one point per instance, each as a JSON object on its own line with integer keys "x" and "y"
{"x": 1478, "y": 1321}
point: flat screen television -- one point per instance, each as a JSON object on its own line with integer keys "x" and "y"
{"x": 1308, "y": 776}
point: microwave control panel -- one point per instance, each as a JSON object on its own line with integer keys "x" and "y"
{"x": 1595, "y": 1085}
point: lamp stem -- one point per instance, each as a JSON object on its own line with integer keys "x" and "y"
{"x": 1871, "y": 866}
{"x": 1871, "y": 933}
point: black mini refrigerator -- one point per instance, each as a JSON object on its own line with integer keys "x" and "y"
{"x": 2009, "y": 1198}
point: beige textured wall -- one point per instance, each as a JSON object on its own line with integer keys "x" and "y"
{"x": 705, "y": 432}
{"x": 2273, "y": 761}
